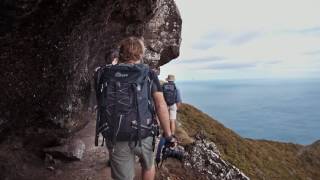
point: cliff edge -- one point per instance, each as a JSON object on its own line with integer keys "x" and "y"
{"x": 258, "y": 159}
{"x": 212, "y": 152}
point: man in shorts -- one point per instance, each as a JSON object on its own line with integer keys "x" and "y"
{"x": 124, "y": 152}
{"x": 173, "y": 99}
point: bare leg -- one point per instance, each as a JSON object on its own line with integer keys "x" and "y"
{"x": 173, "y": 126}
{"x": 148, "y": 174}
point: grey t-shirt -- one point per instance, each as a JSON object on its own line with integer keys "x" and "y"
{"x": 156, "y": 87}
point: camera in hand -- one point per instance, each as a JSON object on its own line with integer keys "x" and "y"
{"x": 176, "y": 153}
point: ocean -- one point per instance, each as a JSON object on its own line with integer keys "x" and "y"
{"x": 280, "y": 110}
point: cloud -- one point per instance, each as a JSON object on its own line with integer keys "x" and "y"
{"x": 203, "y": 45}
{"x": 312, "y": 30}
{"x": 203, "y": 60}
{"x": 209, "y": 40}
{"x": 264, "y": 38}
{"x": 226, "y": 66}
{"x": 215, "y": 35}
{"x": 245, "y": 38}
{"x": 312, "y": 53}
{"x": 272, "y": 62}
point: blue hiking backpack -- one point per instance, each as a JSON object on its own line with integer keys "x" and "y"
{"x": 170, "y": 93}
{"x": 125, "y": 105}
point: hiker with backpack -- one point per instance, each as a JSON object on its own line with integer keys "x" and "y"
{"x": 129, "y": 99}
{"x": 173, "y": 99}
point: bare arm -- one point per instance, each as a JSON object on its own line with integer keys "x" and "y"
{"x": 178, "y": 105}
{"x": 162, "y": 112}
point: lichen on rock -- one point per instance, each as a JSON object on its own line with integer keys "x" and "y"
{"x": 204, "y": 157}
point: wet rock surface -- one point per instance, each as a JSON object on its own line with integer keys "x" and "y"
{"x": 50, "y": 48}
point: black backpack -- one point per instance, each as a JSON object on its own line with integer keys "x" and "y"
{"x": 170, "y": 93}
{"x": 125, "y": 105}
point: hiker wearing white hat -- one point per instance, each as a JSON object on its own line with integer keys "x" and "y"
{"x": 173, "y": 99}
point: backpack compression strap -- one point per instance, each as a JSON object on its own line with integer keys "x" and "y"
{"x": 97, "y": 77}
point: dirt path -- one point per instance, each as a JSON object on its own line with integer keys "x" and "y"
{"x": 92, "y": 166}
{"x": 19, "y": 161}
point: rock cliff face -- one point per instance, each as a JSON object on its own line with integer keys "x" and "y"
{"x": 204, "y": 157}
{"x": 201, "y": 160}
{"x": 50, "y": 48}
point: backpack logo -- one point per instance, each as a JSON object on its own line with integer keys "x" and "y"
{"x": 120, "y": 75}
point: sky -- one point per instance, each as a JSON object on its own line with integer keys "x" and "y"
{"x": 247, "y": 39}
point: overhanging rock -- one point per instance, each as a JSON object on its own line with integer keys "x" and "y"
{"x": 50, "y": 48}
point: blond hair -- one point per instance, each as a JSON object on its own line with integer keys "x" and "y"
{"x": 131, "y": 49}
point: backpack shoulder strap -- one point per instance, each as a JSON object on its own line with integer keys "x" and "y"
{"x": 155, "y": 130}
{"x": 151, "y": 102}
{"x": 97, "y": 79}
{"x": 174, "y": 85}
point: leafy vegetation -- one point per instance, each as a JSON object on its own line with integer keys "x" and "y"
{"x": 258, "y": 159}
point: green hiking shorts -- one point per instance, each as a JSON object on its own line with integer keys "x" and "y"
{"x": 123, "y": 158}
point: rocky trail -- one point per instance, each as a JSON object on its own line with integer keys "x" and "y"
{"x": 93, "y": 164}
{"x": 49, "y": 50}
{"x": 17, "y": 163}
